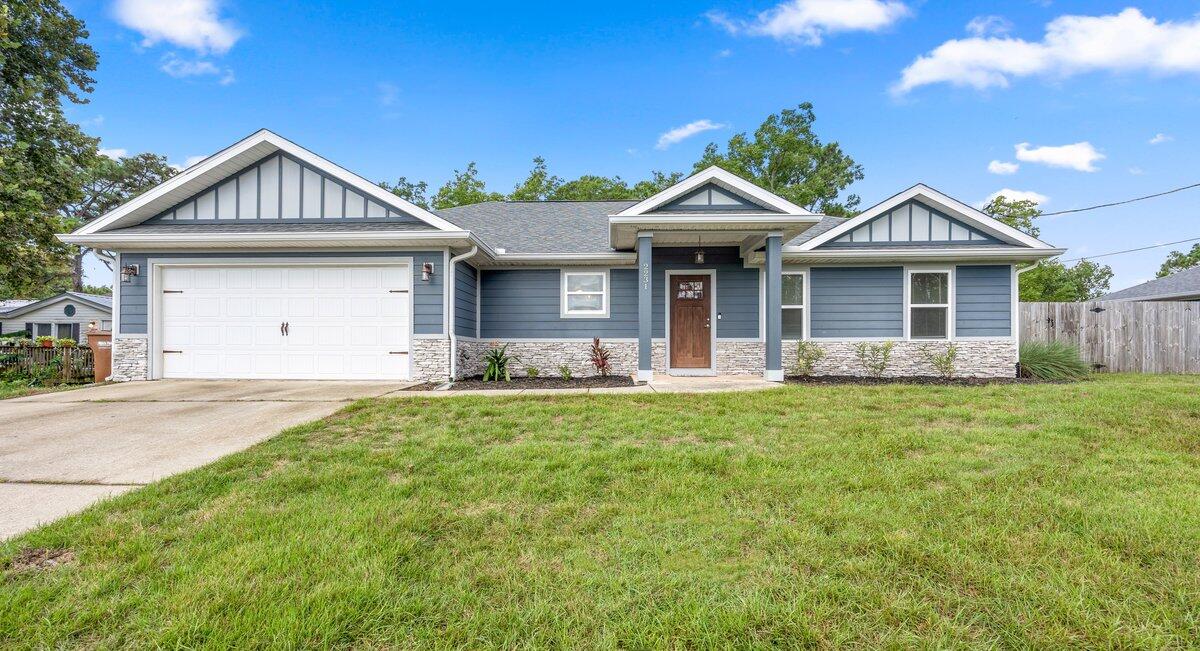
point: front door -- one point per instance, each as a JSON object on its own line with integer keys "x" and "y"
{"x": 691, "y": 334}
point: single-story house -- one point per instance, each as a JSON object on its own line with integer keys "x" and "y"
{"x": 1179, "y": 286}
{"x": 68, "y": 315}
{"x": 268, "y": 261}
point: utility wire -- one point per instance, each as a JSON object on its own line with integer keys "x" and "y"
{"x": 1143, "y": 248}
{"x": 1121, "y": 203}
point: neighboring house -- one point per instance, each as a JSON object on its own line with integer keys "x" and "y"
{"x": 268, "y": 261}
{"x": 66, "y": 316}
{"x": 1179, "y": 286}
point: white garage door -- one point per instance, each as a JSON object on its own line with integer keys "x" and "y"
{"x": 285, "y": 322}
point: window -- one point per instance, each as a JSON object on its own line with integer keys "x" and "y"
{"x": 585, "y": 293}
{"x": 793, "y": 305}
{"x": 929, "y": 304}
{"x": 43, "y": 329}
{"x": 65, "y": 331}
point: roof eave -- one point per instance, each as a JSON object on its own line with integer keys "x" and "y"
{"x": 795, "y": 255}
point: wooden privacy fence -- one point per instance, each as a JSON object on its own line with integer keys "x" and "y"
{"x": 73, "y": 364}
{"x": 1120, "y": 336}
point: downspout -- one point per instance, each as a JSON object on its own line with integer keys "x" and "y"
{"x": 451, "y": 289}
{"x": 1017, "y": 289}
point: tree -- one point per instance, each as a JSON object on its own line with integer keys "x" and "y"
{"x": 787, "y": 158}
{"x": 412, "y": 192}
{"x": 106, "y": 184}
{"x": 1177, "y": 261}
{"x": 1053, "y": 281}
{"x": 464, "y": 189}
{"x": 99, "y": 290}
{"x": 657, "y": 182}
{"x": 540, "y": 185}
{"x": 44, "y": 61}
{"x": 591, "y": 187}
{"x": 1019, "y": 214}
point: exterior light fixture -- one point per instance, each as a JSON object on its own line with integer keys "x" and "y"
{"x": 427, "y": 271}
{"x": 129, "y": 272}
{"x": 699, "y": 252}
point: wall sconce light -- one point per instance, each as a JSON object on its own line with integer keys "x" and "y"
{"x": 129, "y": 271}
{"x": 699, "y": 252}
{"x": 427, "y": 271}
{"x": 91, "y": 326}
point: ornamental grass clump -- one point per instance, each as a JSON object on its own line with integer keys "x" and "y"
{"x": 1053, "y": 361}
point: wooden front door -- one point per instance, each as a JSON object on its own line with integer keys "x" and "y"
{"x": 691, "y": 309}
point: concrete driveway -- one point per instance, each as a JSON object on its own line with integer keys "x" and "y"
{"x": 61, "y": 452}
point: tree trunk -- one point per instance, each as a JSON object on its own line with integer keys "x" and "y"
{"x": 77, "y": 269}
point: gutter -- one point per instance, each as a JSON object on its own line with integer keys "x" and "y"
{"x": 451, "y": 271}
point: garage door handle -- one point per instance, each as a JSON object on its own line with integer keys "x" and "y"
{"x": 178, "y": 352}
{"x": 287, "y": 328}
{"x": 398, "y": 352}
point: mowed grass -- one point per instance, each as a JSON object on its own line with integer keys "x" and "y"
{"x": 1019, "y": 516}
{"x": 18, "y": 389}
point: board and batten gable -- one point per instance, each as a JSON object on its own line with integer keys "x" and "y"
{"x": 983, "y": 300}
{"x": 526, "y": 303}
{"x": 279, "y": 188}
{"x": 428, "y": 305}
{"x": 912, "y": 224}
{"x": 712, "y": 198}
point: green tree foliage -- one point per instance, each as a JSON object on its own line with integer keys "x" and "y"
{"x": 464, "y": 189}
{"x": 412, "y": 192}
{"x": 540, "y": 185}
{"x": 99, "y": 290}
{"x": 44, "y": 61}
{"x": 787, "y": 158}
{"x": 104, "y": 185}
{"x": 1051, "y": 280}
{"x": 590, "y": 187}
{"x": 657, "y": 182}
{"x": 1178, "y": 261}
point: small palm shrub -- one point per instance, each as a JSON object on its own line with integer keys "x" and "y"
{"x": 531, "y": 372}
{"x": 600, "y": 356}
{"x": 495, "y": 364}
{"x": 1054, "y": 361}
{"x": 564, "y": 372}
{"x": 942, "y": 362}
{"x": 808, "y": 355}
{"x": 874, "y": 358}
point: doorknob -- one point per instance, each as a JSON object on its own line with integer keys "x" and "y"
{"x": 707, "y": 322}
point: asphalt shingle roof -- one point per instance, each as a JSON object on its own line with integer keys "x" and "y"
{"x": 539, "y": 226}
{"x": 818, "y": 228}
{"x": 1180, "y": 283}
{"x": 264, "y": 226}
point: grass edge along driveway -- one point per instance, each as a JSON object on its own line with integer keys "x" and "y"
{"x": 1038, "y": 516}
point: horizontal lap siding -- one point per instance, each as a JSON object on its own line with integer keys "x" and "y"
{"x": 464, "y": 300}
{"x": 737, "y": 289}
{"x": 427, "y": 296}
{"x": 983, "y": 301}
{"x": 857, "y": 302}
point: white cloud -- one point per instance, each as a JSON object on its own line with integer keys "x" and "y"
{"x": 1160, "y": 138}
{"x": 809, "y": 21}
{"x": 679, "y": 134}
{"x": 1081, "y": 156}
{"x": 1124, "y": 42}
{"x": 389, "y": 93}
{"x": 180, "y": 68}
{"x": 724, "y": 54}
{"x": 192, "y": 24}
{"x": 192, "y": 160}
{"x": 989, "y": 26}
{"x": 1002, "y": 167}
{"x": 1136, "y": 171}
{"x": 114, "y": 153}
{"x": 1017, "y": 195}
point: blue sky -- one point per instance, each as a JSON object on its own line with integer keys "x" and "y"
{"x": 1104, "y": 106}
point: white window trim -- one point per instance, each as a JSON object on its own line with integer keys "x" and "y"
{"x": 908, "y": 304}
{"x": 803, "y": 273}
{"x": 584, "y": 314}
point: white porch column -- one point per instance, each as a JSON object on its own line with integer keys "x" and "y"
{"x": 774, "y": 311}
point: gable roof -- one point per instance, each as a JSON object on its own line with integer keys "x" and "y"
{"x": 941, "y": 202}
{"x": 538, "y": 226}
{"x": 1181, "y": 284}
{"x": 232, "y": 160}
{"x": 95, "y": 300}
{"x": 771, "y": 202}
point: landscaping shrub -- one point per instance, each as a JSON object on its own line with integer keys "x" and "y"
{"x": 65, "y": 342}
{"x": 45, "y": 341}
{"x": 495, "y": 364}
{"x": 808, "y": 355}
{"x": 942, "y": 362}
{"x": 874, "y": 358}
{"x": 1052, "y": 361}
{"x": 564, "y": 371}
{"x": 600, "y": 356}
{"x": 531, "y": 372}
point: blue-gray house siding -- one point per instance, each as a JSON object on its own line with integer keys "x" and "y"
{"x": 857, "y": 302}
{"x": 983, "y": 301}
{"x": 464, "y": 300}
{"x": 427, "y": 295}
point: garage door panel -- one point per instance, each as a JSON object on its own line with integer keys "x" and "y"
{"x": 343, "y": 322}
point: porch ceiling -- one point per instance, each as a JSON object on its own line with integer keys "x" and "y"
{"x": 680, "y": 230}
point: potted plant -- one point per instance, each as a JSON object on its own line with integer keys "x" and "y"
{"x": 65, "y": 342}
{"x": 45, "y": 341}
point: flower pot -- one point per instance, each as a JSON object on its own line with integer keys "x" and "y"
{"x": 47, "y": 344}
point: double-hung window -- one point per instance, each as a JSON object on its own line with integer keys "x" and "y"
{"x": 793, "y": 305}
{"x": 929, "y": 304}
{"x": 585, "y": 293}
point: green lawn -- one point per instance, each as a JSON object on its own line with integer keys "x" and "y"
{"x": 1017, "y": 515}
{"x": 17, "y": 389}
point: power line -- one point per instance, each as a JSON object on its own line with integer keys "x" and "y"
{"x": 1143, "y": 248}
{"x": 1121, "y": 203}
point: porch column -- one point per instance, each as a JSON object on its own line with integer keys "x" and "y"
{"x": 774, "y": 311}
{"x": 645, "y": 309}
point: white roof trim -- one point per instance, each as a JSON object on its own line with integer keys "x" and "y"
{"x": 943, "y": 202}
{"x": 960, "y": 254}
{"x": 260, "y": 144}
{"x": 722, "y": 178}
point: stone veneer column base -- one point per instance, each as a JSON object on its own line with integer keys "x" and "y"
{"x": 429, "y": 360}
{"x": 130, "y": 358}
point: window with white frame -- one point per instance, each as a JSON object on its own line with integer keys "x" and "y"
{"x": 585, "y": 293}
{"x": 793, "y": 305}
{"x": 929, "y": 304}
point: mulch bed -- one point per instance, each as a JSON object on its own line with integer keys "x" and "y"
{"x": 592, "y": 382}
{"x": 38, "y": 558}
{"x": 928, "y": 380}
